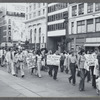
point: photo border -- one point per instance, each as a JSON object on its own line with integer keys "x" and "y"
{"x": 49, "y": 98}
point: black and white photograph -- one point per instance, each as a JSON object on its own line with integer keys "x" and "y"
{"x": 49, "y": 49}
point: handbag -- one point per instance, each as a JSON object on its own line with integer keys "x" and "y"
{"x": 78, "y": 73}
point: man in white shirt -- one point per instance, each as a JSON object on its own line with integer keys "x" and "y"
{"x": 10, "y": 60}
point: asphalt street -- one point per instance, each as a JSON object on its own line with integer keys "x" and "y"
{"x": 32, "y": 86}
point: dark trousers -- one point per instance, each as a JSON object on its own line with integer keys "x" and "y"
{"x": 93, "y": 77}
{"x": 51, "y": 68}
{"x": 87, "y": 74}
{"x": 62, "y": 65}
{"x": 82, "y": 79}
{"x": 73, "y": 73}
{"x": 55, "y": 71}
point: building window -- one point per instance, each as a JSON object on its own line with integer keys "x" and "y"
{"x": 30, "y": 8}
{"x": 39, "y": 35}
{"x": 97, "y": 20}
{"x": 55, "y": 27}
{"x": 43, "y": 11}
{"x": 21, "y": 34}
{"x": 90, "y": 26}
{"x": 72, "y": 27}
{"x": 90, "y": 7}
{"x": 35, "y": 35}
{"x": 56, "y": 17}
{"x": 26, "y": 17}
{"x": 27, "y": 9}
{"x": 43, "y": 4}
{"x": 29, "y": 16}
{"x": 56, "y": 7}
{"x": 43, "y": 39}
{"x": 97, "y": 6}
{"x": 38, "y": 13}
{"x": 39, "y": 5}
{"x": 74, "y": 11}
{"x": 34, "y": 14}
{"x": 9, "y": 21}
{"x": 81, "y": 9}
{"x": 34, "y": 6}
{"x": 80, "y": 27}
{"x": 31, "y": 35}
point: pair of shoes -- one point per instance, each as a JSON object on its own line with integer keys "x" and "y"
{"x": 81, "y": 90}
{"x": 94, "y": 87}
{"x": 55, "y": 78}
{"x": 22, "y": 76}
{"x": 69, "y": 80}
{"x": 73, "y": 84}
{"x": 14, "y": 74}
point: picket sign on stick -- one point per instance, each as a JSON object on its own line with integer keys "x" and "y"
{"x": 53, "y": 60}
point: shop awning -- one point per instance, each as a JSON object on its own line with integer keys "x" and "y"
{"x": 91, "y": 45}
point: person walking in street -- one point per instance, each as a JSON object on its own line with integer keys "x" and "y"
{"x": 62, "y": 59}
{"x": 50, "y": 66}
{"x": 92, "y": 65}
{"x": 20, "y": 62}
{"x": 38, "y": 60}
{"x": 55, "y": 67}
{"x": 82, "y": 60}
{"x": 86, "y": 67}
{"x": 3, "y": 53}
{"x": 10, "y": 61}
{"x": 98, "y": 57}
{"x": 72, "y": 62}
{"x": 66, "y": 65}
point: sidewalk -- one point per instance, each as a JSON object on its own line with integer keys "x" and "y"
{"x": 7, "y": 91}
{"x": 32, "y": 86}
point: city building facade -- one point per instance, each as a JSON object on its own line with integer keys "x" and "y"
{"x": 84, "y": 25}
{"x": 36, "y": 24}
{"x": 11, "y": 17}
{"x": 56, "y": 35}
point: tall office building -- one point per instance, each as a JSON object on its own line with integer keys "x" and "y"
{"x": 12, "y": 28}
{"x": 36, "y": 24}
{"x": 56, "y": 35}
{"x": 84, "y": 25}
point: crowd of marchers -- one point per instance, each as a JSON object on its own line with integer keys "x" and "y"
{"x": 84, "y": 64}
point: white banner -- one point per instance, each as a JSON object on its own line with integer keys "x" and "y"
{"x": 53, "y": 60}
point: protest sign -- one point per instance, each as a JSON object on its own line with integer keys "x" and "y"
{"x": 31, "y": 61}
{"x": 91, "y": 60}
{"x": 53, "y": 60}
